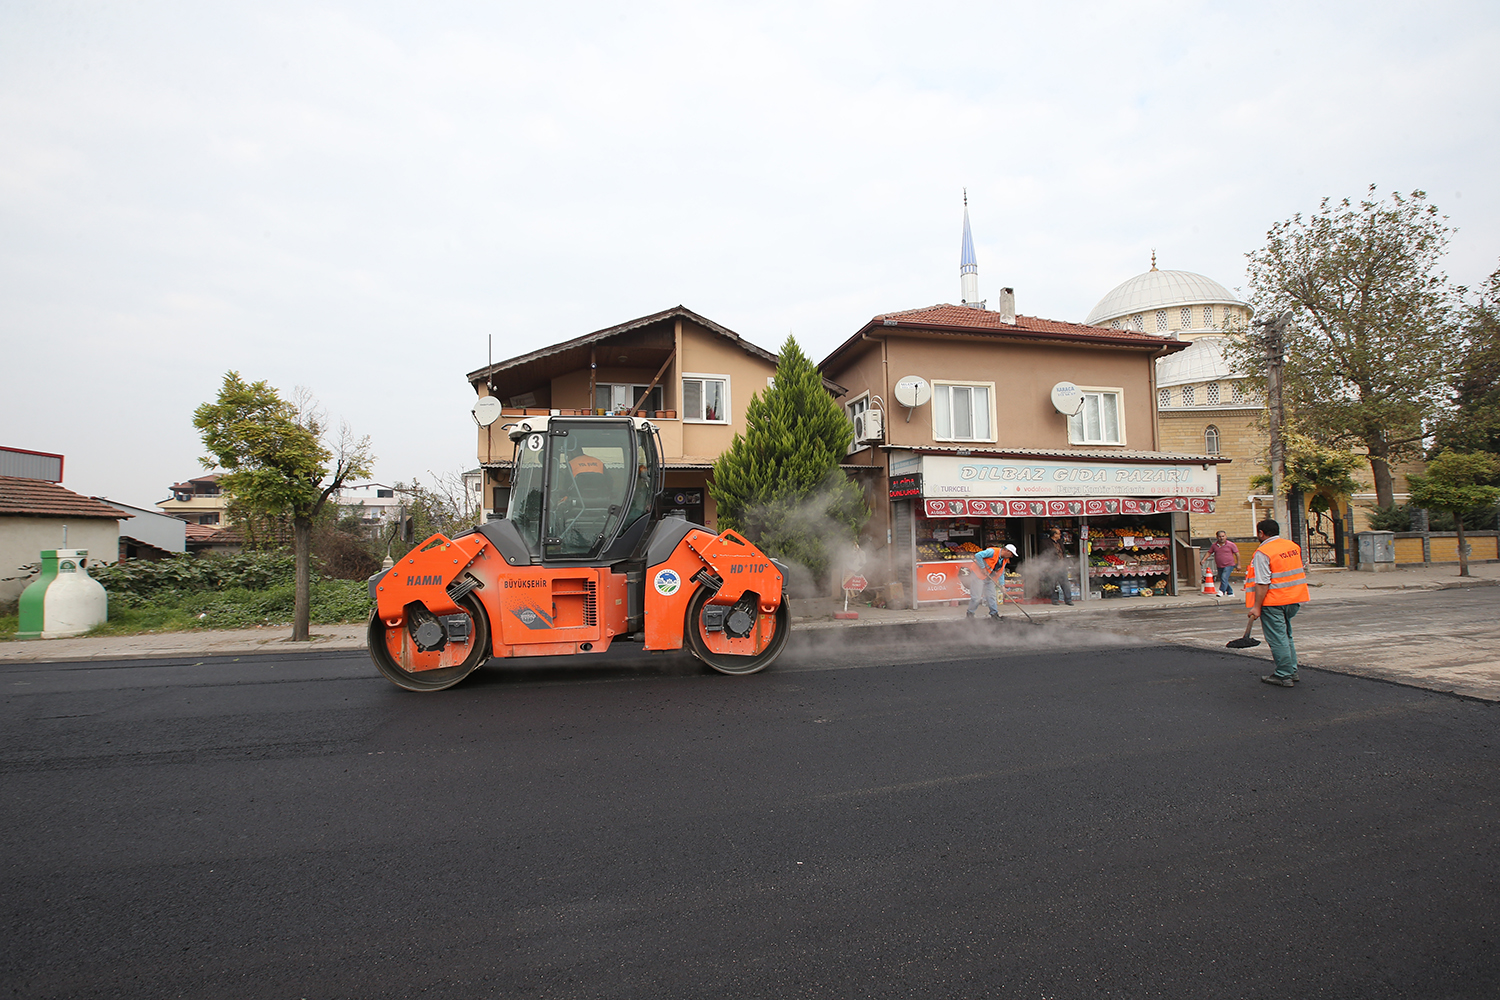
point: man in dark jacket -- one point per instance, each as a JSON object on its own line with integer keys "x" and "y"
{"x": 1055, "y": 568}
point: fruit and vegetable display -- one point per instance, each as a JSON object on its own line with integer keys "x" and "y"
{"x": 935, "y": 551}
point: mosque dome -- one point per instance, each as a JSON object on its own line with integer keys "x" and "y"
{"x": 1147, "y": 302}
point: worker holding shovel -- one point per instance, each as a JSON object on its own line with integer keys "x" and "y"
{"x": 1275, "y": 587}
{"x": 991, "y": 562}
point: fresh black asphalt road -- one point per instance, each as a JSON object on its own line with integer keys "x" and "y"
{"x": 1016, "y": 812}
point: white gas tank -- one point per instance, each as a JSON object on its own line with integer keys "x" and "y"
{"x": 64, "y": 600}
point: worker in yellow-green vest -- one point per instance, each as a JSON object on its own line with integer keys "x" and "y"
{"x": 1275, "y": 587}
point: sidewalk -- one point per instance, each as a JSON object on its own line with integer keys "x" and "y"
{"x": 1483, "y": 678}
{"x": 1325, "y": 585}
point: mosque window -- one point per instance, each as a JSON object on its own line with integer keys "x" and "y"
{"x": 1212, "y": 392}
{"x": 1210, "y": 440}
{"x": 1188, "y": 396}
{"x": 1237, "y": 394}
{"x": 1161, "y": 320}
{"x": 1114, "y": 324}
{"x": 1187, "y": 318}
{"x": 1164, "y": 397}
{"x": 1139, "y": 321}
{"x": 1208, "y": 316}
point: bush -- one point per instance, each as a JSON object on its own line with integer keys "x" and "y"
{"x": 138, "y": 578}
{"x": 1398, "y": 517}
{"x": 332, "y": 602}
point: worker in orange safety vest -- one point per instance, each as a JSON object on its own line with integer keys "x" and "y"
{"x": 1275, "y": 587}
{"x": 991, "y": 563}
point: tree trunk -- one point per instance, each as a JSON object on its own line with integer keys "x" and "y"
{"x": 1385, "y": 483}
{"x": 302, "y": 550}
{"x": 1463, "y": 557}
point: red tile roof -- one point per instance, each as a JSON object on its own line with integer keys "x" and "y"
{"x": 967, "y": 321}
{"x": 221, "y": 533}
{"x": 39, "y": 498}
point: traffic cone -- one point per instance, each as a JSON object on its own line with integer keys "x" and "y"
{"x": 1208, "y": 583}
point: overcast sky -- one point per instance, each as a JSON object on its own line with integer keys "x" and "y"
{"x": 353, "y": 197}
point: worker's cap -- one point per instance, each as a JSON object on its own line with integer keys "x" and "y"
{"x": 1012, "y": 550}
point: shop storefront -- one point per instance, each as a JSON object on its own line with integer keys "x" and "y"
{"x": 1115, "y": 516}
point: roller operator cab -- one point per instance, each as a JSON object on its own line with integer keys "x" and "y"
{"x": 583, "y": 557}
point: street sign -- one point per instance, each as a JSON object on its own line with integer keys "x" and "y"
{"x": 856, "y": 583}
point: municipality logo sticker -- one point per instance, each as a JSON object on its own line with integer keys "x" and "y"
{"x": 667, "y": 582}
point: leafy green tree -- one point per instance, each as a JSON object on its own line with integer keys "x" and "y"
{"x": 780, "y": 483}
{"x": 1474, "y": 424}
{"x": 1370, "y": 348}
{"x": 1324, "y": 475}
{"x": 277, "y": 464}
{"x": 1454, "y": 483}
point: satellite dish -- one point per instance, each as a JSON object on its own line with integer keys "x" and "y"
{"x": 1067, "y": 399}
{"x": 913, "y": 390}
{"x": 486, "y": 410}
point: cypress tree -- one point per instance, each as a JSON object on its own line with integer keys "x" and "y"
{"x": 779, "y": 484}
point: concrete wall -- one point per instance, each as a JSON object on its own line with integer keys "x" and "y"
{"x": 22, "y": 540}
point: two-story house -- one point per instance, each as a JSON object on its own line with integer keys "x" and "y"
{"x": 978, "y": 427}
{"x": 693, "y": 377}
{"x": 197, "y": 501}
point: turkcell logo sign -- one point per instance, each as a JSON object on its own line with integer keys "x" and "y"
{"x": 667, "y": 582}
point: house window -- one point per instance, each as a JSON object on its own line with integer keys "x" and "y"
{"x": 853, "y": 410}
{"x": 1212, "y": 391}
{"x": 705, "y": 398}
{"x": 1098, "y": 421}
{"x": 1208, "y": 316}
{"x": 385, "y": 493}
{"x": 962, "y": 412}
{"x": 1187, "y": 318}
{"x": 1164, "y": 397}
{"x": 1161, "y": 320}
{"x": 1211, "y": 440}
{"x": 1189, "y": 396}
{"x": 622, "y": 398}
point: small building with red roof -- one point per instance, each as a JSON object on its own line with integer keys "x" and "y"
{"x": 36, "y": 514}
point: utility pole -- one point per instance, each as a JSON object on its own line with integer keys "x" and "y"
{"x": 1275, "y": 356}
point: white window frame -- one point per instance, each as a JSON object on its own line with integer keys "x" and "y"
{"x": 859, "y": 404}
{"x": 689, "y": 418}
{"x": 639, "y": 386}
{"x": 1212, "y": 442}
{"x": 1075, "y": 423}
{"x": 956, "y": 383}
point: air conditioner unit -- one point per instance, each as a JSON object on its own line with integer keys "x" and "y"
{"x": 869, "y": 427}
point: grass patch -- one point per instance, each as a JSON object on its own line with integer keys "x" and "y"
{"x": 333, "y": 602}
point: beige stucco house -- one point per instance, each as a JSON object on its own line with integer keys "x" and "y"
{"x": 691, "y": 375}
{"x": 971, "y": 447}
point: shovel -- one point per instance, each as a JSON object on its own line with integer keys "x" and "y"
{"x": 1244, "y": 641}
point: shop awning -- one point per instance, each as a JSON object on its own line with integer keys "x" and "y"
{"x": 1068, "y": 507}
